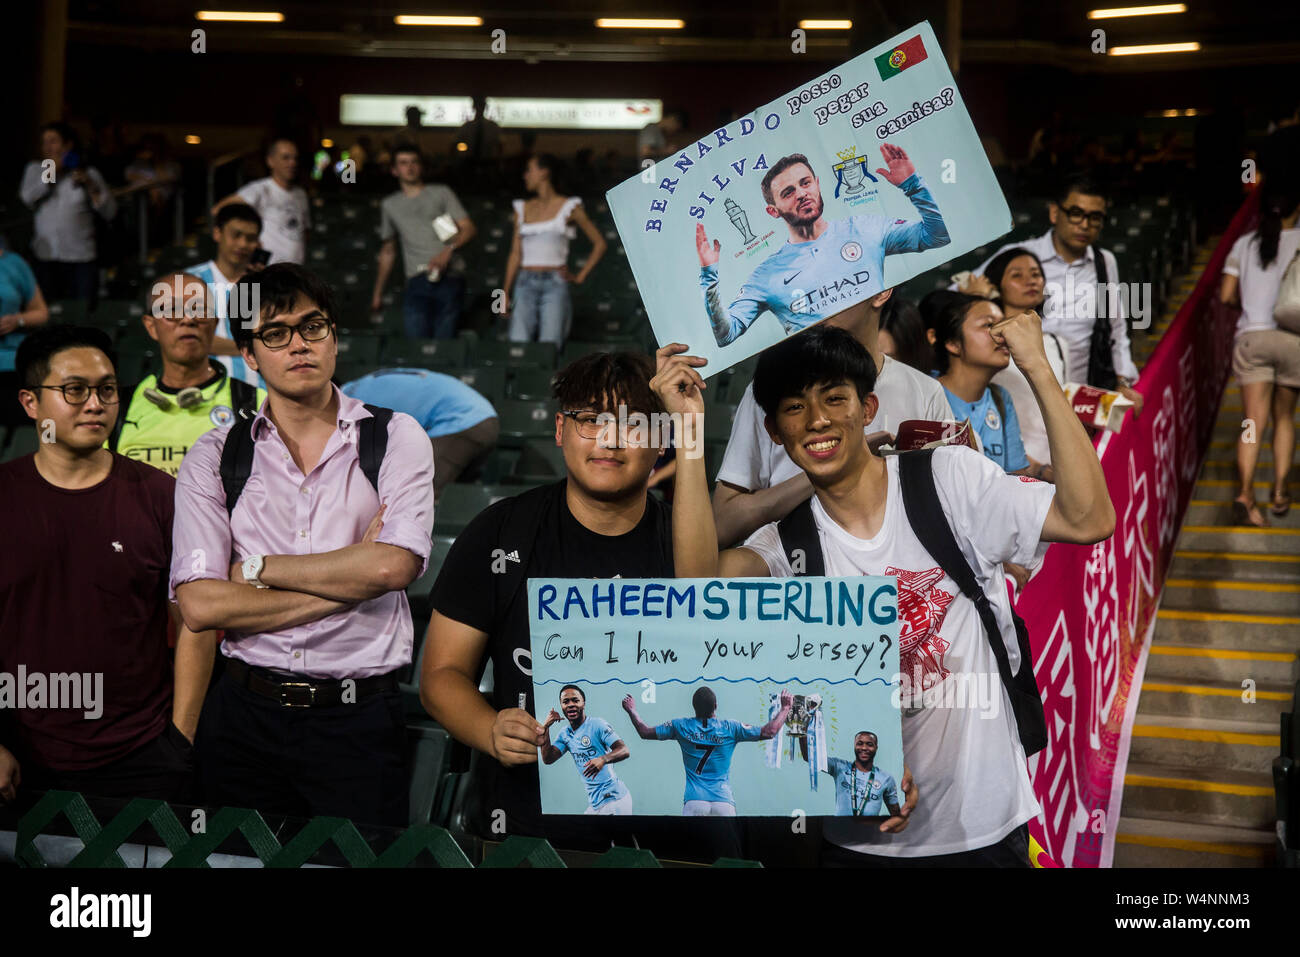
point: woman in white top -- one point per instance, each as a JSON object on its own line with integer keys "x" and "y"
{"x": 1265, "y": 359}
{"x": 1015, "y": 277}
{"x": 538, "y": 302}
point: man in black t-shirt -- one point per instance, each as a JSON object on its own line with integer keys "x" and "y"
{"x": 598, "y": 522}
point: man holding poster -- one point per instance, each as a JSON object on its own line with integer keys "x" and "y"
{"x": 826, "y": 265}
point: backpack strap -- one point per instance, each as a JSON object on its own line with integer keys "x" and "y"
{"x": 244, "y": 398}
{"x": 372, "y": 442}
{"x": 236, "y": 461}
{"x": 798, "y": 532}
{"x": 1101, "y": 361}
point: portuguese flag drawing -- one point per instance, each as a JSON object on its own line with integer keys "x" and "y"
{"x": 908, "y": 53}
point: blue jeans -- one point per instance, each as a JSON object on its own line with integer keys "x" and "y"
{"x": 541, "y": 309}
{"x": 431, "y": 310}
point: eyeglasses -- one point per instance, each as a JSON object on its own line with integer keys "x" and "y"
{"x": 588, "y": 424}
{"x": 1076, "y": 215}
{"x": 76, "y": 393}
{"x": 277, "y": 337}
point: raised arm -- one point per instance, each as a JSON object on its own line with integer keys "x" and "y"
{"x": 643, "y": 730}
{"x": 931, "y": 232}
{"x": 680, "y": 388}
{"x": 728, "y": 322}
{"x": 770, "y": 729}
{"x": 513, "y": 262}
{"x": 1081, "y": 511}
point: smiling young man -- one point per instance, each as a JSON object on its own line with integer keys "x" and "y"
{"x": 861, "y": 788}
{"x": 83, "y": 574}
{"x": 594, "y": 746}
{"x": 969, "y": 769}
{"x": 597, "y": 522}
{"x": 305, "y": 570}
{"x": 191, "y": 394}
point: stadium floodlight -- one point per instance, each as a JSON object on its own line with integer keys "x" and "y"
{"x": 1111, "y": 13}
{"x": 239, "y": 16}
{"x": 639, "y": 23}
{"x": 412, "y": 20}
{"x": 1190, "y": 47}
{"x": 193, "y": 139}
{"x": 825, "y": 24}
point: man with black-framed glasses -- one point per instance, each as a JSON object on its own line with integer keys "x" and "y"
{"x": 599, "y": 521}
{"x": 1091, "y": 321}
{"x": 191, "y": 393}
{"x": 83, "y": 626}
{"x": 297, "y": 533}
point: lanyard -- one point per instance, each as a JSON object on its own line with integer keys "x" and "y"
{"x": 858, "y": 808}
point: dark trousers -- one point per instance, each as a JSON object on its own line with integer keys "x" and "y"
{"x": 59, "y": 280}
{"x": 162, "y": 769}
{"x": 343, "y": 761}
{"x": 431, "y": 310}
{"x": 1011, "y": 851}
{"x": 462, "y": 454}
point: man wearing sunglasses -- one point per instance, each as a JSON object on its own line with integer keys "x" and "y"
{"x": 83, "y": 626}
{"x": 191, "y": 393}
{"x": 305, "y": 570}
{"x": 1076, "y": 310}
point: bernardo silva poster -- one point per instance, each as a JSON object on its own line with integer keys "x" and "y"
{"x": 863, "y": 178}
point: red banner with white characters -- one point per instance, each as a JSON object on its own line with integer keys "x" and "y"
{"x": 1091, "y": 610}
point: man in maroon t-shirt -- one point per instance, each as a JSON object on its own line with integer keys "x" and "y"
{"x": 85, "y": 672}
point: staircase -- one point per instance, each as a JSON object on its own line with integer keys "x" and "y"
{"x": 1198, "y": 791}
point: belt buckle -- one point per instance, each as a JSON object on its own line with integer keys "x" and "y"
{"x": 311, "y": 690}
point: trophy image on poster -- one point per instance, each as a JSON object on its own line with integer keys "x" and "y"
{"x": 740, "y": 219}
{"x": 801, "y": 714}
{"x": 850, "y": 172}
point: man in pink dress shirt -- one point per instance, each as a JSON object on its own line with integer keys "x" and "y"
{"x": 306, "y": 576}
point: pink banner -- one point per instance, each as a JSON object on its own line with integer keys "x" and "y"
{"x": 1091, "y": 610}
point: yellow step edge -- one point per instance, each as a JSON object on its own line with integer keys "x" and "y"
{"x": 1229, "y": 483}
{"x": 1205, "y": 690}
{"x": 1202, "y": 734}
{"x": 1238, "y": 617}
{"x": 1240, "y": 556}
{"x": 1207, "y": 787}
{"x": 1226, "y": 654}
{"x": 1221, "y": 585}
{"x": 1245, "y": 530}
{"x": 1253, "y": 851}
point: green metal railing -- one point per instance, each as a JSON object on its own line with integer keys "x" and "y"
{"x": 101, "y": 842}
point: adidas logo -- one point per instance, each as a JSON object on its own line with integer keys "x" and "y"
{"x": 513, "y": 556}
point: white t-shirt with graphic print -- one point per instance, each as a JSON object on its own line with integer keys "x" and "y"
{"x": 967, "y": 762}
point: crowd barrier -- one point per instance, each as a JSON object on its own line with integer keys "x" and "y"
{"x": 102, "y": 845}
{"x": 1091, "y": 611}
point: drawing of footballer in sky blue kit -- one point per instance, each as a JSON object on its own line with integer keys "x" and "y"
{"x": 707, "y": 742}
{"x": 594, "y": 746}
{"x": 861, "y": 788}
{"x": 826, "y": 265}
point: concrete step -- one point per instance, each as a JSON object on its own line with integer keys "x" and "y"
{"x": 1180, "y": 742}
{"x": 1234, "y": 700}
{"x": 1280, "y": 541}
{"x": 1150, "y": 842}
{"x": 1215, "y": 796}
{"x": 1221, "y": 468}
{"x": 1218, "y": 511}
{"x": 1227, "y": 630}
{"x": 1220, "y": 594}
{"x": 1181, "y": 662}
{"x": 1225, "y": 489}
{"x": 1236, "y": 566}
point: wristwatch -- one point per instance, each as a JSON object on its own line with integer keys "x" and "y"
{"x": 253, "y": 565}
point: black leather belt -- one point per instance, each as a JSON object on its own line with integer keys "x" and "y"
{"x": 291, "y": 692}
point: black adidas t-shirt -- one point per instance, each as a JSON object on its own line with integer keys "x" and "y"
{"x": 469, "y": 591}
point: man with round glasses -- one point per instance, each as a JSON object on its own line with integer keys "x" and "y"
{"x": 191, "y": 393}
{"x": 305, "y": 548}
{"x": 83, "y": 637}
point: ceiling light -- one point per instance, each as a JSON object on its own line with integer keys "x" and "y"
{"x": 825, "y": 24}
{"x": 240, "y": 16}
{"x": 1155, "y": 48}
{"x": 634, "y": 23}
{"x": 1110, "y": 13}
{"x": 419, "y": 21}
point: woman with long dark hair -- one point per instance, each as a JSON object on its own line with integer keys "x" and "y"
{"x": 1265, "y": 359}
{"x": 538, "y": 302}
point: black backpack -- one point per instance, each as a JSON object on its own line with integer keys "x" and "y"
{"x": 1101, "y": 361}
{"x": 237, "y": 453}
{"x": 930, "y": 525}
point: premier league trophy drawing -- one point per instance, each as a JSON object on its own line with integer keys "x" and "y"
{"x": 850, "y": 172}
{"x": 740, "y": 220}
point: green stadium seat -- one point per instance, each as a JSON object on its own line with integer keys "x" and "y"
{"x": 521, "y": 420}
{"x": 460, "y": 503}
{"x": 487, "y": 381}
{"x": 425, "y": 353}
{"x": 22, "y": 440}
{"x": 491, "y": 352}
{"x": 540, "y": 461}
{"x": 531, "y": 384}
{"x": 354, "y": 347}
{"x": 70, "y": 312}
{"x": 429, "y": 758}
